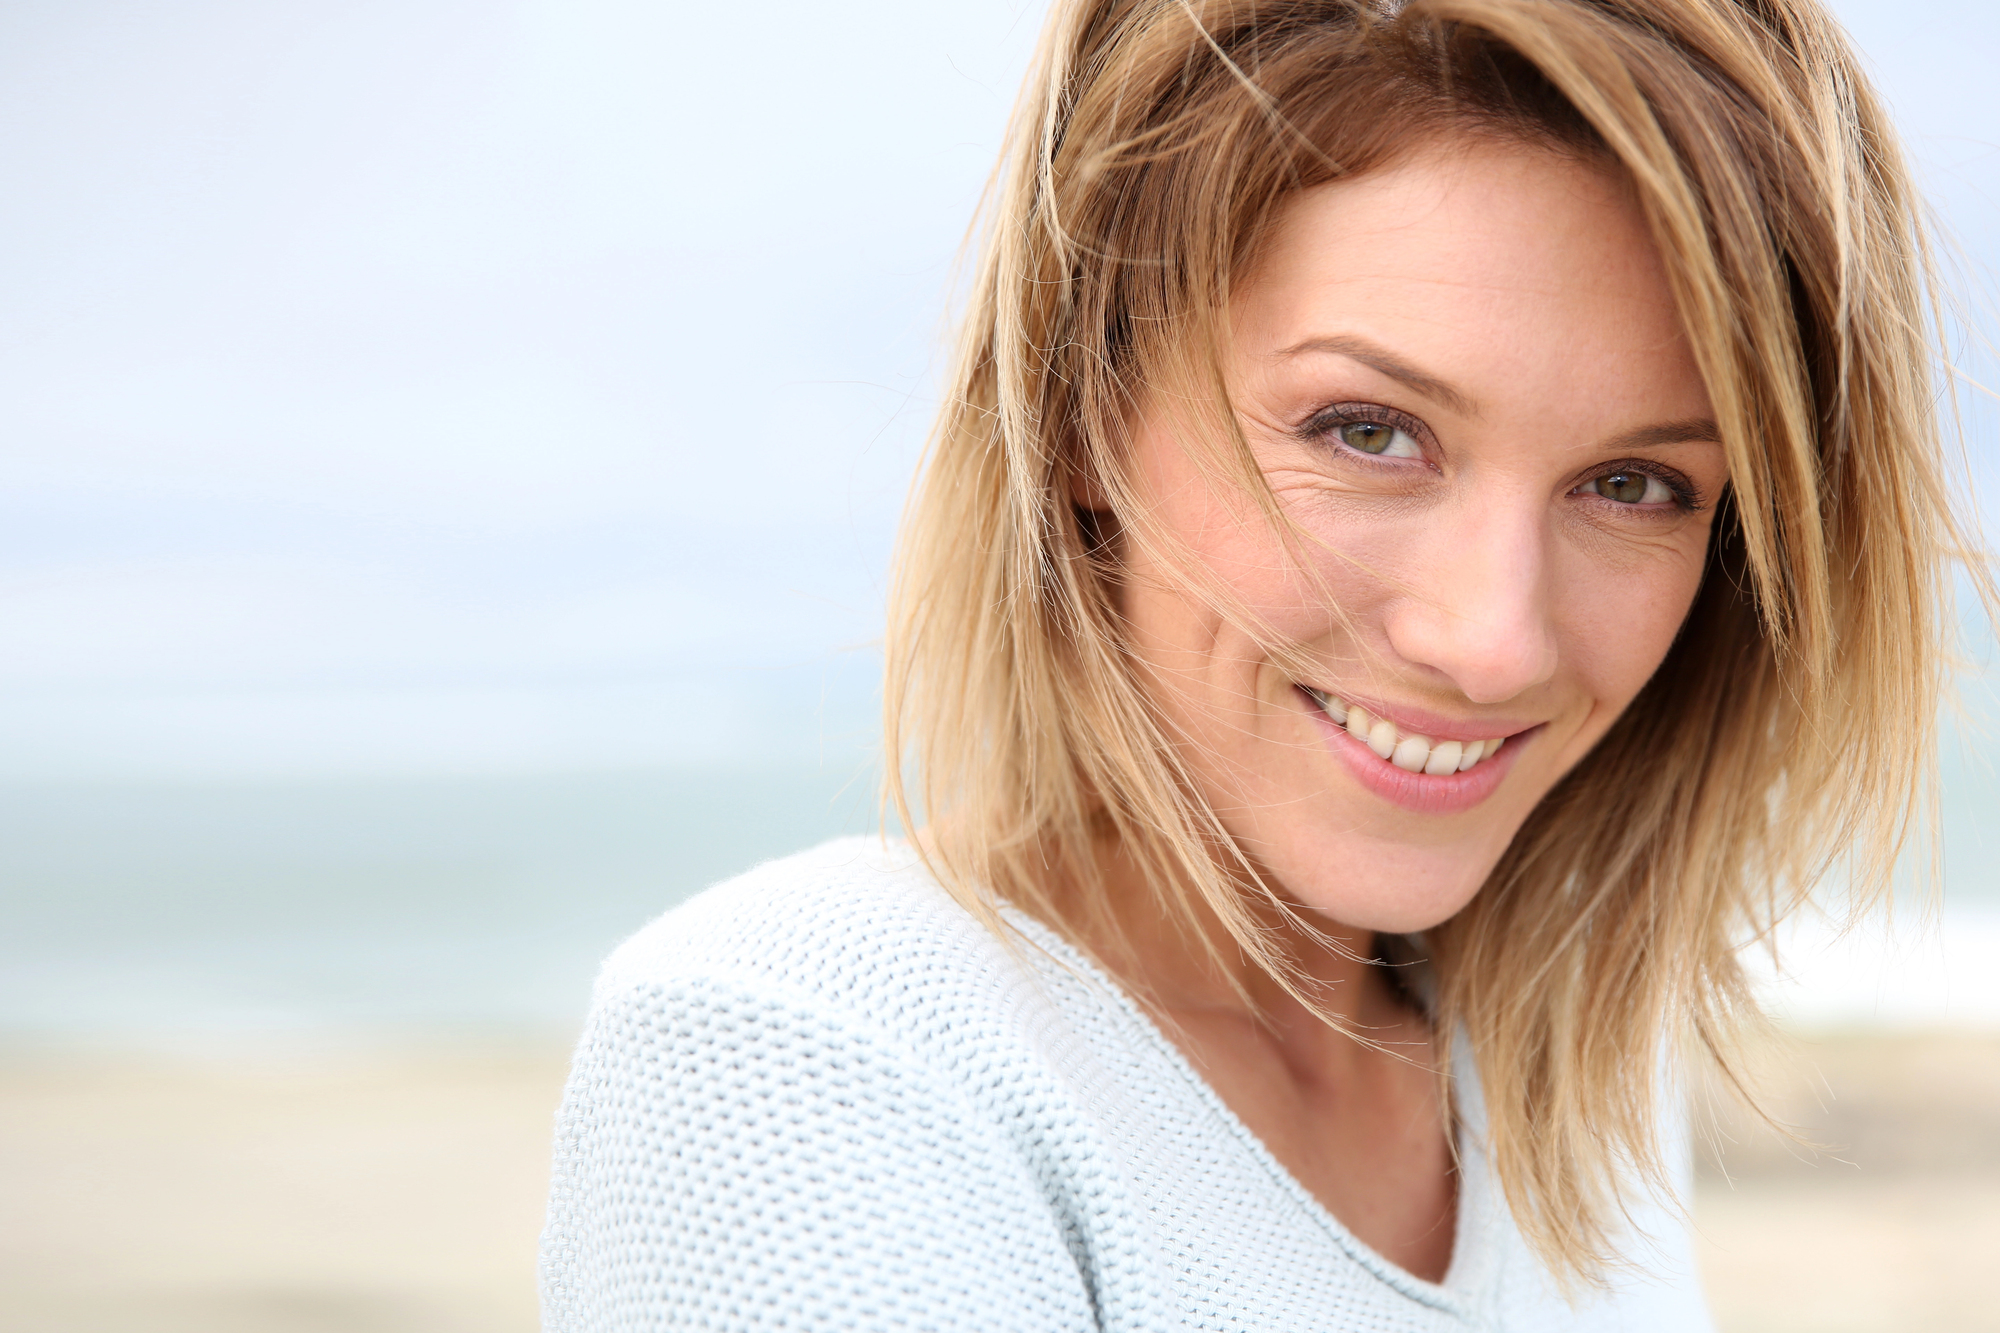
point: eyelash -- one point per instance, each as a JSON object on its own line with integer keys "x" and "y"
{"x": 1322, "y": 427}
{"x": 1686, "y": 498}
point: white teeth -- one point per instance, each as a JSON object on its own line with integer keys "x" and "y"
{"x": 1412, "y": 753}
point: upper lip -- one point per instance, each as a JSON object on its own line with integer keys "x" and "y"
{"x": 1436, "y": 726}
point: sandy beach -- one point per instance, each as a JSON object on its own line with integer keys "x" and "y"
{"x": 396, "y": 1191}
{"x": 333, "y": 1193}
{"x": 1894, "y": 1225}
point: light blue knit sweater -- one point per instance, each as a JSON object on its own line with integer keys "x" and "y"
{"x": 822, "y": 1096}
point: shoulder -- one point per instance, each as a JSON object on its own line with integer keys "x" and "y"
{"x": 856, "y": 931}
{"x": 853, "y": 922}
{"x": 773, "y": 1117}
{"x": 850, "y": 962}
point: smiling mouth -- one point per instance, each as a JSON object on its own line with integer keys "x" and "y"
{"x": 1406, "y": 750}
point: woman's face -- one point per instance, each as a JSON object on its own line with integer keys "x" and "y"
{"x": 1466, "y": 384}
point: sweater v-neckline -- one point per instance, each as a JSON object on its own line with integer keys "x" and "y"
{"x": 1471, "y": 1267}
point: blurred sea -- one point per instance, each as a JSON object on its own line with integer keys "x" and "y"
{"x": 168, "y": 913}
{"x": 164, "y": 913}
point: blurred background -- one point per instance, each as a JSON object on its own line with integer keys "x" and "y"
{"x": 449, "y": 453}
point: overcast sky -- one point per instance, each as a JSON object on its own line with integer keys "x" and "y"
{"x": 472, "y": 386}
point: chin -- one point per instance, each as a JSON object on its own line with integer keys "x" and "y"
{"x": 1421, "y": 894}
{"x": 1396, "y": 918}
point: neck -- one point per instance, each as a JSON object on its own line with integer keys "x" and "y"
{"x": 1363, "y": 1125}
{"x": 1179, "y": 967}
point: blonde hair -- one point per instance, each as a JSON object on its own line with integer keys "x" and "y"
{"x": 1791, "y": 719}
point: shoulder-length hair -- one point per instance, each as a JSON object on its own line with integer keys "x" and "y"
{"x": 1790, "y": 724}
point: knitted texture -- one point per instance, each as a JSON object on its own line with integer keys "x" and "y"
{"x": 823, "y": 1096}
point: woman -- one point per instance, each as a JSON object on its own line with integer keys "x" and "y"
{"x": 1436, "y": 538}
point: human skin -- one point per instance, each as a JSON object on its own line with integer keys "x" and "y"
{"x": 1464, "y": 380}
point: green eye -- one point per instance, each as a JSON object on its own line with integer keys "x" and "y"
{"x": 1370, "y": 437}
{"x": 1378, "y": 438}
{"x": 1630, "y": 488}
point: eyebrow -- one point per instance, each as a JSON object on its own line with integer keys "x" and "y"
{"x": 1381, "y": 360}
{"x": 1687, "y": 431}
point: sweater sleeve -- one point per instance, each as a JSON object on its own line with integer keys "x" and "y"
{"x": 731, "y": 1158}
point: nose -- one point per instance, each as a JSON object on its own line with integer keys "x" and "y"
{"x": 1476, "y": 606}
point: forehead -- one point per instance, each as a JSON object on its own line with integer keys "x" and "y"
{"x": 1512, "y": 270}
{"x": 1467, "y": 222}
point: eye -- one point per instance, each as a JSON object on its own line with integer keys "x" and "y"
{"x": 1628, "y": 487}
{"x": 1378, "y": 438}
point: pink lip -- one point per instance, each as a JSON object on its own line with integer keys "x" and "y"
{"x": 1449, "y": 794}
{"x": 1439, "y": 727}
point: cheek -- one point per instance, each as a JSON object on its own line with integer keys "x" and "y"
{"x": 1328, "y": 571}
{"x": 1616, "y": 619}
{"x": 1211, "y": 556}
